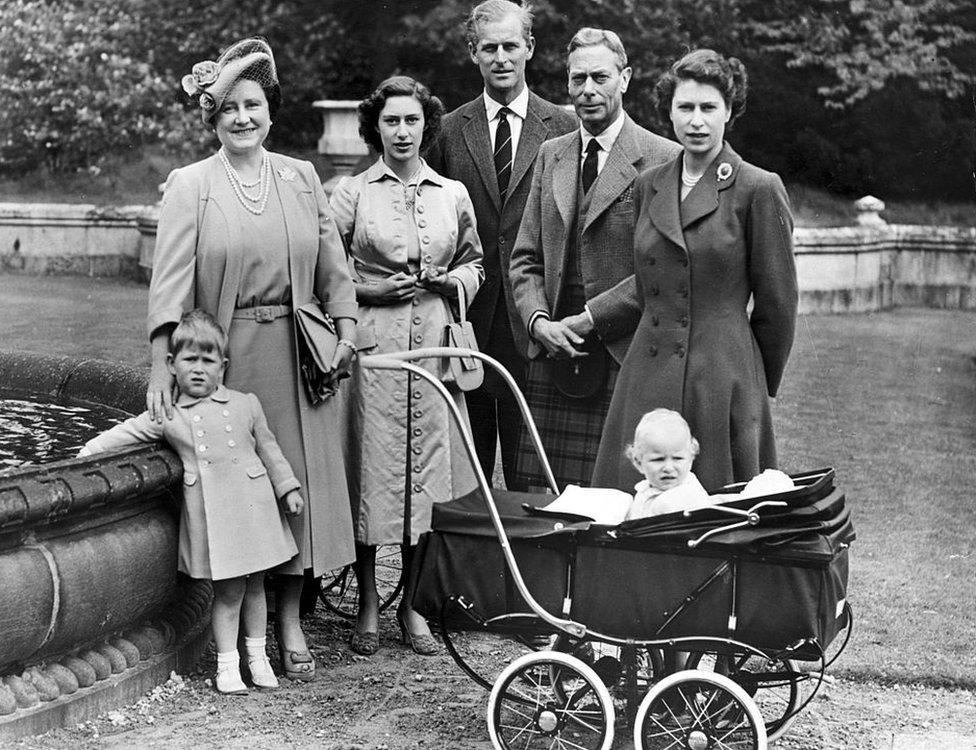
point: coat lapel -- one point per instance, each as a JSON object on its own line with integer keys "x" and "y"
{"x": 534, "y": 132}
{"x": 617, "y": 174}
{"x": 565, "y": 178}
{"x": 665, "y": 206}
{"x": 703, "y": 198}
{"x": 478, "y": 141}
{"x": 219, "y": 194}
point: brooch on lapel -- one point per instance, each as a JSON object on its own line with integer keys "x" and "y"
{"x": 287, "y": 174}
{"x": 724, "y": 171}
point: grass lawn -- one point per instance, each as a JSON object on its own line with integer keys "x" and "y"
{"x": 887, "y": 399}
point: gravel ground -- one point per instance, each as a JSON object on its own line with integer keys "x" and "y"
{"x": 397, "y": 700}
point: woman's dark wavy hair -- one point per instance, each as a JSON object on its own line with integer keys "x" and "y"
{"x": 372, "y": 105}
{"x": 709, "y": 67}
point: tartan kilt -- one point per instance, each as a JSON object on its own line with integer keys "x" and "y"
{"x": 570, "y": 428}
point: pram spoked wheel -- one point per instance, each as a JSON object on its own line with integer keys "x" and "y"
{"x": 339, "y": 592}
{"x": 771, "y": 682}
{"x": 549, "y": 700}
{"x": 697, "y": 710}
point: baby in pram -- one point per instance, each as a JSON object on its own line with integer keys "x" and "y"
{"x": 663, "y": 451}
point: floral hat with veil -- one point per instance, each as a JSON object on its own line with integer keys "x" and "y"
{"x": 212, "y": 81}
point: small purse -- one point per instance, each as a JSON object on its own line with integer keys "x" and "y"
{"x": 317, "y": 342}
{"x": 583, "y": 377}
{"x": 463, "y": 373}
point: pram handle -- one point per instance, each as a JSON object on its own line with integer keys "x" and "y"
{"x": 751, "y": 518}
{"x": 402, "y": 361}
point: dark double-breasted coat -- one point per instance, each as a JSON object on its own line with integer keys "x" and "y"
{"x": 697, "y": 348}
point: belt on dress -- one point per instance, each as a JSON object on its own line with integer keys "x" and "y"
{"x": 262, "y": 313}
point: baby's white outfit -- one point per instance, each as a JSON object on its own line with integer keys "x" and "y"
{"x": 650, "y": 501}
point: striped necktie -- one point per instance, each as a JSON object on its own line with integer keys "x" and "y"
{"x": 503, "y": 152}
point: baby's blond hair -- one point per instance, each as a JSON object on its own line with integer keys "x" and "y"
{"x": 667, "y": 419}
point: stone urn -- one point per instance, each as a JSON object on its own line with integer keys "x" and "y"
{"x": 340, "y": 143}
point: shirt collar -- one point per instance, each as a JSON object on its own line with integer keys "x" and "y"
{"x": 380, "y": 171}
{"x": 221, "y": 394}
{"x": 519, "y": 105}
{"x": 608, "y": 137}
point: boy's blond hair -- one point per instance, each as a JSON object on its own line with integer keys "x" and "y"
{"x": 201, "y": 329}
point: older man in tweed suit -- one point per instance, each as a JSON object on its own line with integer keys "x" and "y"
{"x": 497, "y": 170}
{"x": 572, "y": 266}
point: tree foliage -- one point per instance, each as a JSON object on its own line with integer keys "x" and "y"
{"x": 834, "y": 84}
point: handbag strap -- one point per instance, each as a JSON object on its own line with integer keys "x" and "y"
{"x": 462, "y": 303}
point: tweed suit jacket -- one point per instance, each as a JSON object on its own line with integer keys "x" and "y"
{"x": 606, "y": 246}
{"x": 463, "y": 152}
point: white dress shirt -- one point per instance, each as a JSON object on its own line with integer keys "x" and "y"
{"x": 519, "y": 107}
{"x": 606, "y": 139}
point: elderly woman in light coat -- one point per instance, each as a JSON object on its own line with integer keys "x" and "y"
{"x": 414, "y": 247}
{"x": 247, "y": 236}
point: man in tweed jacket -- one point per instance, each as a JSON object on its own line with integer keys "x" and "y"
{"x": 572, "y": 267}
{"x": 500, "y": 42}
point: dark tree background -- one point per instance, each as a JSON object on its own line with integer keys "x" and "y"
{"x": 853, "y": 96}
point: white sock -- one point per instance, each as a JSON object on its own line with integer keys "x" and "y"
{"x": 255, "y": 647}
{"x": 226, "y": 659}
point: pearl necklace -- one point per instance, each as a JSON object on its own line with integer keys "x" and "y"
{"x": 688, "y": 179}
{"x": 240, "y": 187}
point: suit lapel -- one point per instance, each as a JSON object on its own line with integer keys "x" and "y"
{"x": 703, "y": 198}
{"x": 534, "y": 132}
{"x": 665, "y": 208}
{"x": 617, "y": 174}
{"x": 565, "y": 178}
{"x": 478, "y": 141}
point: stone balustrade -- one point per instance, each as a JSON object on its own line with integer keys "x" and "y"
{"x": 870, "y": 266}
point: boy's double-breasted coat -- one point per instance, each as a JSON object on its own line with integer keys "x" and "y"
{"x": 233, "y": 470}
{"x": 698, "y": 349}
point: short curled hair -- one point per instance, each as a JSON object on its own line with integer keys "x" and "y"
{"x": 660, "y": 419}
{"x": 728, "y": 75}
{"x": 491, "y": 11}
{"x": 590, "y": 37}
{"x": 372, "y": 105}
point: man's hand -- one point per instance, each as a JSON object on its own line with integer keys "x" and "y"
{"x": 559, "y": 339}
{"x": 294, "y": 503}
{"x": 580, "y": 324}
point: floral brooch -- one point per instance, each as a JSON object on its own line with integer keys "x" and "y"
{"x": 724, "y": 171}
{"x": 287, "y": 174}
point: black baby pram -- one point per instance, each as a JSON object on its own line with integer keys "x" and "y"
{"x": 709, "y": 629}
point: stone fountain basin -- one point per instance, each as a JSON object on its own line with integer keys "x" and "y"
{"x": 92, "y": 611}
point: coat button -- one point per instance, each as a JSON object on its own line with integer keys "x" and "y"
{"x": 197, "y": 417}
{"x": 422, "y": 223}
{"x": 418, "y": 414}
{"x": 231, "y": 443}
{"x": 428, "y": 258}
{"x": 501, "y": 240}
{"x": 679, "y": 350}
{"x": 228, "y": 428}
{"x": 416, "y": 450}
{"x": 420, "y": 209}
{"x": 199, "y": 433}
{"x": 235, "y": 460}
{"x": 225, "y": 413}
{"x": 202, "y": 448}
{"x": 684, "y": 262}
{"x": 418, "y": 488}
{"x": 425, "y": 239}
{"x": 684, "y": 321}
{"x": 683, "y": 292}
{"x": 417, "y": 468}
{"x": 417, "y": 432}
{"x": 417, "y": 394}
{"x": 417, "y": 320}
{"x": 652, "y": 350}
{"x": 653, "y": 290}
{"x": 416, "y": 300}
{"x": 418, "y": 339}
{"x": 655, "y": 320}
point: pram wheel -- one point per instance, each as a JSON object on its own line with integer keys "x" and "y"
{"x": 339, "y": 592}
{"x": 698, "y": 710}
{"x": 772, "y": 683}
{"x": 549, "y": 700}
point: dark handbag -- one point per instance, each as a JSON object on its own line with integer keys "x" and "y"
{"x": 317, "y": 342}
{"x": 463, "y": 373}
{"x": 582, "y": 377}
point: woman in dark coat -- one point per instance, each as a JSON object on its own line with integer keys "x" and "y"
{"x": 712, "y": 233}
